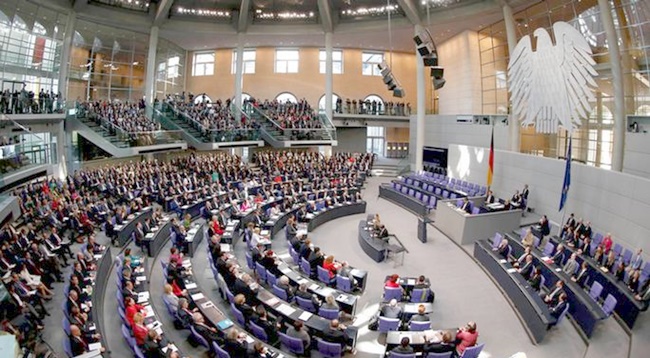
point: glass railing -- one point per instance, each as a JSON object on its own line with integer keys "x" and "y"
{"x": 35, "y": 105}
{"x": 404, "y": 166}
{"x": 327, "y": 125}
{"x": 14, "y": 157}
{"x": 327, "y": 132}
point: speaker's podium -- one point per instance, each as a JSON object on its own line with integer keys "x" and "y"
{"x": 422, "y": 228}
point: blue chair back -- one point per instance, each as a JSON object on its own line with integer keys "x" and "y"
{"x": 221, "y": 353}
{"x": 138, "y": 352}
{"x": 270, "y": 278}
{"x": 259, "y": 332}
{"x": 595, "y": 290}
{"x": 627, "y": 256}
{"x": 305, "y": 266}
{"x": 496, "y": 240}
{"x": 388, "y": 324}
{"x": 473, "y": 352}
{"x": 199, "y": 338}
{"x": 419, "y": 295}
{"x": 119, "y": 298}
{"x": 306, "y": 304}
{"x": 476, "y": 210}
{"x": 249, "y": 261}
{"x": 126, "y": 334}
{"x": 324, "y": 275}
{"x": 229, "y": 295}
{"x": 294, "y": 345}
{"x": 401, "y": 355}
{"x": 330, "y": 350}
{"x": 343, "y": 283}
{"x": 282, "y": 294}
{"x": 294, "y": 256}
{"x": 609, "y": 304}
{"x": 420, "y": 325}
{"x": 328, "y": 313}
{"x": 239, "y": 316}
{"x": 548, "y": 249}
{"x": 438, "y": 355}
{"x": 390, "y": 293}
{"x": 66, "y": 325}
{"x": 261, "y": 272}
{"x": 67, "y": 347}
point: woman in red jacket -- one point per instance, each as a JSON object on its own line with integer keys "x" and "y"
{"x": 467, "y": 337}
{"x": 331, "y": 266}
{"x": 131, "y": 309}
{"x": 140, "y": 331}
{"x": 392, "y": 281}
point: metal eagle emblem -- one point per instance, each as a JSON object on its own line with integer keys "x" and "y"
{"x": 552, "y": 85}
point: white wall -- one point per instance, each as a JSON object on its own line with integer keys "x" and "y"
{"x": 637, "y": 154}
{"x": 442, "y": 130}
{"x": 461, "y": 60}
{"x": 614, "y": 202}
{"x": 351, "y": 139}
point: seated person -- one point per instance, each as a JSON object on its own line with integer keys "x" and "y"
{"x": 557, "y": 309}
{"x": 503, "y": 249}
{"x": 209, "y": 333}
{"x": 268, "y": 324}
{"x": 466, "y": 206}
{"x": 235, "y": 343}
{"x": 527, "y": 269}
{"x": 553, "y": 296}
{"x": 581, "y": 276}
{"x": 421, "y": 316}
{"x": 439, "y": 343}
{"x": 391, "y": 310}
{"x": 244, "y": 308}
{"x": 644, "y": 295}
{"x": 404, "y": 346}
{"x": 535, "y": 279}
{"x": 78, "y": 344}
{"x": 466, "y": 337}
{"x": 529, "y": 238}
{"x": 303, "y": 293}
{"x": 382, "y": 232}
{"x": 283, "y": 284}
{"x": 423, "y": 283}
{"x": 335, "y": 333}
{"x": 392, "y": 282}
{"x": 297, "y": 331}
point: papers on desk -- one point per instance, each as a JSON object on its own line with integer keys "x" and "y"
{"x": 190, "y": 286}
{"x": 327, "y": 291}
{"x": 148, "y": 310}
{"x": 225, "y": 247}
{"x": 285, "y": 309}
{"x": 149, "y": 236}
{"x": 197, "y": 296}
{"x": 249, "y": 339}
{"x": 84, "y": 307}
{"x": 314, "y": 287}
{"x": 95, "y": 346}
{"x": 187, "y": 264}
{"x": 265, "y": 233}
{"x": 119, "y": 227}
{"x": 411, "y": 282}
{"x": 207, "y": 304}
{"x": 97, "y": 257}
{"x": 305, "y": 316}
{"x": 172, "y": 346}
{"x": 285, "y": 269}
{"x": 140, "y": 278}
{"x": 143, "y": 297}
{"x": 558, "y": 269}
{"x": 511, "y": 270}
{"x": 154, "y": 325}
{"x": 309, "y": 216}
{"x": 272, "y": 301}
{"x": 342, "y": 297}
{"x": 502, "y": 261}
{"x": 303, "y": 280}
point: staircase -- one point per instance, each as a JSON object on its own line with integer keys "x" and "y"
{"x": 385, "y": 170}
{"x": 278, "y": 137}
{"x": 116, "y": 144}
{"x": 192, "y": 134}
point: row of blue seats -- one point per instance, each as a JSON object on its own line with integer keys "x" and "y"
{"x": 429, "y": 200}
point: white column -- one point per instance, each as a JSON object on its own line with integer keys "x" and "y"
{"x": 329, "y": 70}
{"x": 150, "y": 81}
{"x": 239, "y": 69}
{"x": 511, "y": 33}
{"x": 65, "y": 55}
{"x": 61, "y": 150}
{"x": 419, "y": 117}
{"x": 617, "y": 84}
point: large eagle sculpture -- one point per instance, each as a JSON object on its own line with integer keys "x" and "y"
{"x": 553, "y": 85}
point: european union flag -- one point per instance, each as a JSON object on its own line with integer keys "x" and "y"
{"x": 567, "y": 177}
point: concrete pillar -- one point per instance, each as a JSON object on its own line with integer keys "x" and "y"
{"x": 514, "y": 136}
{"x": 239, "y": 70}
{"x": 617, "y": 84}
{"x": 64, "y": 68}
{"x": 420, "y": 108}
{"x": 150, "y": 80}
{"x": 61, "y": 150}
{"x": 329, "y": 77}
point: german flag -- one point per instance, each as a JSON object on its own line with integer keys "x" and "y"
{"x": 490, "y": 172}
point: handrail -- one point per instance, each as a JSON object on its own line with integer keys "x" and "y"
{"x": 266, "y": 116}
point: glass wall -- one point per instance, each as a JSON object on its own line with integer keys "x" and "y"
{"x": 592, "y": 142}
{"x": 31, "y": 40}
{"x": 170, "y": 69}
{"x": 107, "y": 63}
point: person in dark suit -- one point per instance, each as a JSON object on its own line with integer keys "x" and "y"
{"x": 527, "y": 269}
{"x": 152, "y": 345}
{"x": 391, "y": 310}
{"x": 557, "y": 309}
{"x": 235, "y": 344}
{"x": 77, "y": 343}
{"x": 445, "y": 344}
{"x": 335, "y": 333}
{"x": 305, "y": 249}
{"x": 404, "y": 346}
{"x": 581, "y": 276}
{"x": 315, "y": 259}
{"x": 242, "y": 287}
{"x": 524, "y": 192}
{"x": 421, "y": 316}
{"x": 209, "y": 333}
{"x": 382, "y": 232}
{"x": 559, "y": 256}
{"x": 489, "y": 199}
{"x": 283, "y": 284}
{"x": 503, "y": 249}
{"x": 535, "y": 279}
{"x": 269, "y": 326}
{"x": 553, "y": 295}
{"x": 569, "y": 226}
